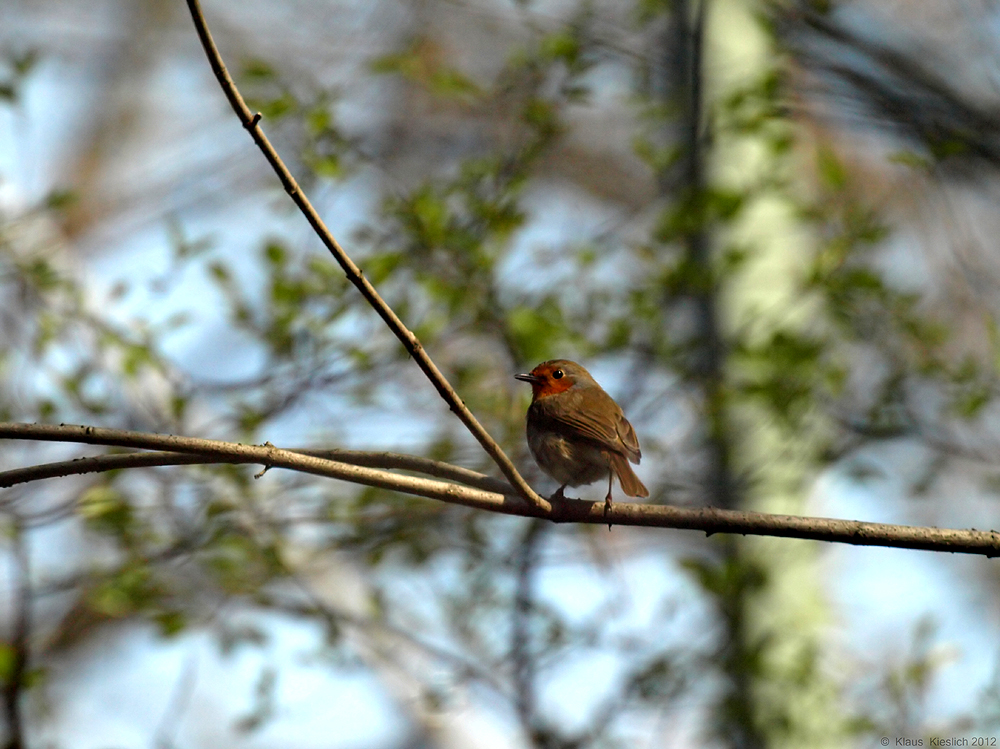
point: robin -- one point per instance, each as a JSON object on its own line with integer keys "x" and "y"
{"x": 577, "y": 433}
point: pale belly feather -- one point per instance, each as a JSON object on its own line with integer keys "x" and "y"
{"x": 569, "y": 463}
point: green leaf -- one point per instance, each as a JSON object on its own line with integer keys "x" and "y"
{"x": 24, "y": 62}
{"x": 106, "y": 509}
{"x": 220, "y": 273}
{"x": 8, "y": 662}
{"x": 382, "y": 265}
{"x": 170, "y": 623}
{"x": 543, "y": 116}
{"x": 59, "y": 199}
{"x": 535, "y": 331}
{"x": 561, "y": 45}
{"x": 46, "y": 408}
{"x": 258, "y": 69}
{"x": 275, "y": 254}
{"x": 318, "y": 119}
{"x": 42, "y": 275}
{"x": 429, "y": 215}
{"x": 129, "y": 591}
{"x": 831, "y": 169}
{"x": 330, "y": 166}
{"x": 135, "y": 358}
{"x": 276, "y": 107}
{"x": 421, "y": 64}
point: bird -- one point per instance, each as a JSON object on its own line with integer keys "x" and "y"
{"x": 577, "y": 433}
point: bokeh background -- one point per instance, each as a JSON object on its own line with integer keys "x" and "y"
{"x": 768, "y": 228}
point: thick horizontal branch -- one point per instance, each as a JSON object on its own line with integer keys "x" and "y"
{"x": 370, "y": 459}
{"x": 214, "y": 451}
{"x": 188, "y": 450}
{"x": 855, "y": 532}
{"x": 354, "y": 274}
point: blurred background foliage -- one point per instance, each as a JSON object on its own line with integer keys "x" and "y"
{"x": 767, "y": 228}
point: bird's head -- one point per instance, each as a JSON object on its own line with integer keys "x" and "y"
{"x": 554, "y": 377}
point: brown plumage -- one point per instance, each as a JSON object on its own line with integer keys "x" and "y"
{"x": 577, "y": 433}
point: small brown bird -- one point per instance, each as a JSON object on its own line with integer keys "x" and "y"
{"x": 577, "y": 433}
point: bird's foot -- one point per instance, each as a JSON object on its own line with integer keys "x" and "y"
{"x": 608, "y": 509}
{"x": 558, "y": 495}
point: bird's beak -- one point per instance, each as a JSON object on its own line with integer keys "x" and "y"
{"x": 526, "y": 377}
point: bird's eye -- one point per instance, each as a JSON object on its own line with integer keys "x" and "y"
{"x": 557, "y": 375}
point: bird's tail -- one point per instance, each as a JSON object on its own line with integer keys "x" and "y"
{"x": 626, "y": 476}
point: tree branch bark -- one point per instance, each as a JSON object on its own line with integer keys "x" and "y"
{"x": 189, "y": 450}
{"x": 709, "y": 520}
{"x": 115, "y": 462}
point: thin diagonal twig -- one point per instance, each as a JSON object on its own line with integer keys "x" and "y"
{"x": 354, "y": 274}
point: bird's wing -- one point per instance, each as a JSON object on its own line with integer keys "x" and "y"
{"x": 576, "y": 415}
{"x": 631, "y": 443}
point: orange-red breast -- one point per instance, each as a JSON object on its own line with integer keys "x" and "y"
{"x": 577, "y": 433}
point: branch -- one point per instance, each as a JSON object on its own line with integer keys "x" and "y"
{"x": 904, "y": 87}
{"x": 104, "y": 463}
{"x": 707, "y": 519}
{"x": 195, "y": 450}
{"x": 414, "y": 463}
{"x": 353, "y": 272}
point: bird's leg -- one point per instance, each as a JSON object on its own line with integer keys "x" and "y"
{"x": 559, "y": 496}
{"x": 608, "y": 506}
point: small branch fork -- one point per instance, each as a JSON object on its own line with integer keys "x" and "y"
{"x": 251, "y": 121}
{"x": 472, "y": 490}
